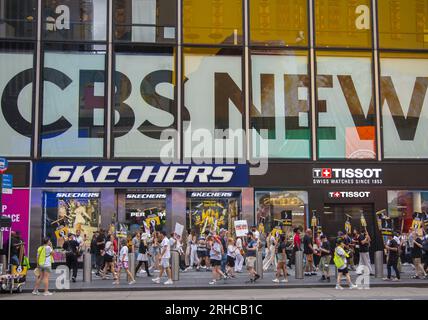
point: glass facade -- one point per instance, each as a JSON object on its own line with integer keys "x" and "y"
{"x": 188, "y": 72}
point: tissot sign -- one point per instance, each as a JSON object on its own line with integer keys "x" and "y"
{"x": 349, "y": 194}
{"x": 136, "y": 174}
{"x": 346, "y": 176}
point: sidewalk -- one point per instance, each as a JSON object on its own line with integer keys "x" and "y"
{"x": 193, "y": 280}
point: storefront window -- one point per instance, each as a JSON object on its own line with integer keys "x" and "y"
{"x": 145, "y": 20}
{"x": 213, "y": 118}
{"x": 75, "y": 20}
{"x": 280, "y": 104}
{"x": 212, "y": 210}
{"x": 279, "y": 23}
{"x": 403, "y": 24}
{"x": 404, "y": 85}
{"x": 346, "y": 114}
{"x": 283, "y": 210}
{"x": 408, "y": 209}
{"x": 73, "y": 104}
{"x": 16, "y": 89}
{"x": 212, "y": 21}
{"x": 65, "y": 212}
{"x": 18, "y": 18}
{"x": 145, "y": 104}
{"x": 343, "y": 23}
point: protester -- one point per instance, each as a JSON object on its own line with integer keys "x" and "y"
{"x": 142, "y": 256}
{"x": 136, "y": 244}
{"x": 71, "y": 247}
{"x": 101, "y": 240}
{"x": 239, "y": 255}
{"x": 270, "y": 257}
{"x": 44, "y": 265}
{"x": 192, "y": 247}
{"x": 223, "y": 239}
{"x": 325, "y": 259}
{"x": 202, "y": 253}
{"x": 364, "y": 244}
{"x": 392, "y": 248}
{"x": 93, "y": 250}
{"x": 231, "y": 258}
{"x": 250, "y": 260}
{"x": 123, "y": 263}
{"x": 216, "y": 252}
{"x": 340, "y": 260}
{"x": 417, "y": 245}
{"x": 109, "y": 256}
{"x": 297, "y": 245}
{"x": 281, "y": 256}
{"x": 309, "y": 253}
{"x": 165, "y": 255}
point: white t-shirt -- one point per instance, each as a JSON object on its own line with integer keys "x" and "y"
{"x": 48, "y": 262}
{"x": 231, "y": 251}
{"x": 124, "y": 254}
{"x": 239, "y": 243}
{"x": 165, "y": 243}
{"x": 109, "y": 248}
{"x": 256, "y": 235}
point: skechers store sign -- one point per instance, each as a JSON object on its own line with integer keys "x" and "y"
{"x": 355, "y": 176}
{"x": 137, "y": 174}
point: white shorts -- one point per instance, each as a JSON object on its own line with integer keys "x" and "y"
{"x": 165, "y": 262}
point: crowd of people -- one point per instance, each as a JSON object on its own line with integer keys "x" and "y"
{"x": 225, "y": 255}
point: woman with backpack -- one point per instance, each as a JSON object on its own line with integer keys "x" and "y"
{"x": 44, "y": 266}
{"x": 143, "y": 255}
{"x": 109, "y": 256}
{"x": 216, "y": 252}
{"x": 341, "y": 263}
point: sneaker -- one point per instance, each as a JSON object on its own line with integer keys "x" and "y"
{"x": 115, "y": 282}
{"x": 339, "y": 287}
{"x": 284, "y": 280}
{"x": 36, "y": 292}
{"x": 328, "y": 279}
{"x": 415, "y": 277}
{"x": 275, "y": 280}
{"x": 313, "y": 273}
{"x": 322, "y": 279}
{"x": 47, "y": 293}
{"x": 132, "y": 282}
{"x": 142, "y": 271}
{"x": 73, "y": 279}
{"x": 169, "y": 281}
{"x": 395, "y": 279}
{"x": 156, "y": 271}
{"x": 386, "y": 279}
{"x": 353, "y": 286}
{"x": 250, "y": 281}
{"x": 212, "y": 282}
{"x": 256, "y": 277}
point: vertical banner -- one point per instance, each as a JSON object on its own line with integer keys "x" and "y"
{"x": 16, "y": 207}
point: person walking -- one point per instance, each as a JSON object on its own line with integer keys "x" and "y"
{"x": 270, "y": 258}
{"x": 223, "y": 239}
{"x": 281, "y": 256}
{"x": 340, "y": 261}
{"x": 123, "y": 263}
{"x": 308, "y": 251}
{"x": 364, "y": 244}
{"x": 297, "y": 245}
{"x": 193, "y": 247}
{"x": 93, "y": 251}
{"x": 202, "y": 253}
{"x": 101, "y": 240}
{"x": 325, "y": 259}
{"x": 142, "y": 257}
{"x": 231, "y": 258}
{"x": 216, "y": 253}
{"x": 109, "y": 256}
{"x": 164, "y": 257}
{"x": 44, "y": 265}
{"x": 417, "y": 245}
{"x": 71, "y": 247}
{"x": 239, "y": 255}
{"x": 392, "y": 249}
{"x": 250, "y": 260}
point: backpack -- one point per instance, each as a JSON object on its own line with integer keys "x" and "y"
{"x": 338, "y": 260}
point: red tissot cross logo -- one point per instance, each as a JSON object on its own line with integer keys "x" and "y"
{"x": 326, "y": 173}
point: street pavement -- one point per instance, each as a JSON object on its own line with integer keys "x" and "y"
{"x": 193, "y": 280}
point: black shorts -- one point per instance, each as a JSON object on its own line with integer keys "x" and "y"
{"x": 108, "y": 258}
{"x": 214, "y": 262}
{"x": 230, "y": 262}
{"x": 201, "y": 254}
{"x": 343, "y": 271}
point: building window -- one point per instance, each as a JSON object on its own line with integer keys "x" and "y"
{"x": 16, "y": 89}
{"x": 403, "y": 24}
{"x": 145, "y": 103}
{"x": 145, "y": 20}
{"x": 212, "y": 22}
{"x": 18, "y": 18}
{"x": 279, "y": 23}
{"x": 213, "y": 115}
{"x": 343, "y": 23}
{"x": 280, "y": 104}
{"x": 404, "y": 105}
{"x": 73, "y": 103}
{"x": 75, "y": 20}
{"x": 345, "y": 108}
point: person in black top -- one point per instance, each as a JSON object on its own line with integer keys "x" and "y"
{"x": 223, "y": 240}
{"x": 71, "y": 248}
{"x": 93, "y": 250}
{"x": 16, "y": 245}
{"x": 417, "y": 255}
{"x": 364, "y": 244}
{"x": 325, "y": 258}
{"x": 101, "y": 241}
{"x": 143, "y": 254}
{"x": 392, "y": 258}
{"x": 281, "y": 257}
{"x": 309, "y": 253}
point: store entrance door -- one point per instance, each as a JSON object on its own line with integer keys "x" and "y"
{"x": 335, "y": 216}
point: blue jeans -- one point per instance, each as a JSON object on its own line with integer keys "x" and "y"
{"x": 223, "y": 262}
{"x": 14, "y": 260}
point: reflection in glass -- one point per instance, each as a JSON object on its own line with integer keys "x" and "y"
{"x": 346, "y": 114}
{"x": 18, "y": 18}
{"x": 145, "y": 20}
{"x": 279, "y": 23}
{"x": 212, "y": 21}
{"x": 75, "y": 20}
{"x": 343, "y": 23}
